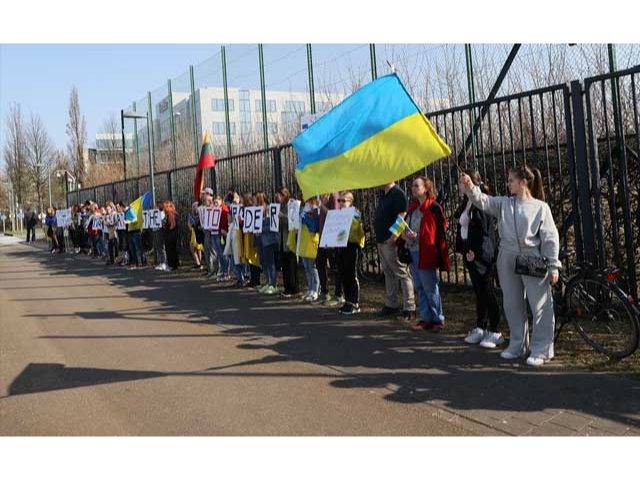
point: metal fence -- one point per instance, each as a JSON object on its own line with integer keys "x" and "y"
{"x": 583, "y": 136}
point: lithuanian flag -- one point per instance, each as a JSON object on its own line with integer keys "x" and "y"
{"x": 206, "y": 161}
{"x": 376, "y": 136}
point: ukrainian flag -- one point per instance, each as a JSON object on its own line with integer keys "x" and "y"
{"x": 399, "y": 226}
{"x": 143, "y": 202}
{"x": 374, "y": 137}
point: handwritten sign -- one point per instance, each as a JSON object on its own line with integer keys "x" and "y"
{"x": 235, "y": 214}
{"x": 151, "y": 219}
{"x": 253, "y": 219}
{"x": 121, "y": 225}
{"x": 274, "y": 217}
{"x": 293, "y": 212}
{"x": 63, "y": 218}
{"x": 337, "y": 227}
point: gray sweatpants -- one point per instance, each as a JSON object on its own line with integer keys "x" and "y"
{"x": 210, "y": 255}
{"x": 159, "y": 254}
{"x": 394, "y": 271}
{"x": 538, "y": 293}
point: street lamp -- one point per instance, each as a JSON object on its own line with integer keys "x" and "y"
{"x": 143, "y": 116}
{"x": 68, "y": 175}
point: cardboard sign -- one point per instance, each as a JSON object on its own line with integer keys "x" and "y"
{"x": 121, "y": 225}
{"x": 210, "y": 218}
{"x": 235, "y": 214}
{"x": 337, "y": 227}
{"x": 274, "y": 217}
{"x": 293, "y": 213}
{"x": 151, "y": 219}
{"x": 253, "y": 217}
{"x": 63, "y": 218}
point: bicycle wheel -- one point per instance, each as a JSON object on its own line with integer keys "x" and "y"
{"x": 369, "y": 268}
{"x": 603, "y": 316}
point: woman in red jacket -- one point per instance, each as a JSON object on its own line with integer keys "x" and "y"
{"x": 426, "y": 242}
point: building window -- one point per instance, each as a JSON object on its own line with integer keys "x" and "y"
{"x": 271, "y": 105}
{"x": 294, "y": 106}
{"x": 219, "y": 128}
{"x": 273, "y": 127}
{"x": 217, "y": 105}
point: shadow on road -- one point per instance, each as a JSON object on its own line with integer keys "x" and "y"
{"x": 357, "y": 352}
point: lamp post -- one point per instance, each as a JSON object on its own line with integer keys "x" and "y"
{"x": 145, "y": 116}
{"x": 67, "y": 175}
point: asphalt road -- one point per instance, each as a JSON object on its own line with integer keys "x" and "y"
{"x": 87, "y": 350}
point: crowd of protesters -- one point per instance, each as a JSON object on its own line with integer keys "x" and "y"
{"x": 410, "y": 261}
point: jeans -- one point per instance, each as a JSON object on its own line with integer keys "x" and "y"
{"x": 426, "y": 284}
{"x": 210, "y": 256}
{"x": 135, "y": 246}
{"x": 219, "y": 249}
{"x": 268, "y": 262}
{"x": 159, "y": 253}
{"x": 313, "y": 279}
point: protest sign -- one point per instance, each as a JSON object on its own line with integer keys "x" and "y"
{"x": 253, "y": 220}
{"x": 293, "y": 213}
{"x": 151, "y": 219}
{"x": 336, "y": 228}
{"x": 274, "y": 217}
{"x": 121, "y": 225}
{"x": 235, "y": 214}
{"x": 210, "y": 218}
{"x": 63, "y": 218}
{"x": 98, "y": 223}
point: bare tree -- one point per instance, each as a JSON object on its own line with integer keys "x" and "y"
{"x": 15, "y": 153}
{"x": 39, "y": 155}
{"x": 77, "y": 132}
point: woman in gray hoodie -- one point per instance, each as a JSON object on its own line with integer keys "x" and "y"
{"x": 525, "y": 226}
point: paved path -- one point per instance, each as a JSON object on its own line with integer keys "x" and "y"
{"x": 91, "y": 350}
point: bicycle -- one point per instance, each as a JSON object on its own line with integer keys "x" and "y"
{"x": 603, "y": 314}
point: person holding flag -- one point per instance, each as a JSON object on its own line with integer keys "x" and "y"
{"x": 425, "y": 239}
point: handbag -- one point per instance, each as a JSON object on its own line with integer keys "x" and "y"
{"x": 529, "y": 265}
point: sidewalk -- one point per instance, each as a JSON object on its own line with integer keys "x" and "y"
{"x": 469, "y": 387}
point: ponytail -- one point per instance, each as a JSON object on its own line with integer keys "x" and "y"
{"x": 537, "y": 188}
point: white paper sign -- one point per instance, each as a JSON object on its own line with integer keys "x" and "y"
{"x": 210, "y": 218}
{"x": 274, "y": 217}
{"x": 336, "y": 228}
{"x": 151, "y": 219}
{"x": 121, "y": 225}
{"x": 293, "y": 212}
{"x": 63, "y": 218}
{"x": 98, "y": 223}
{"x": 235, "y": 214}
{"x": 253, "y": 220}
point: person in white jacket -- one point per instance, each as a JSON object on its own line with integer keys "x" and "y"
{"x": 525, "y": 226}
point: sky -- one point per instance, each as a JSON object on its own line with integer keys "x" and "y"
{"x": 111, "y": 67}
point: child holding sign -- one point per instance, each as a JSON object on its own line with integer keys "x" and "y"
{"x": 308, "y": 240}
{"x": 288, "y": 258}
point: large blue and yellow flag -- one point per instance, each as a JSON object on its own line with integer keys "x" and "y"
{"x": 376, "y": 136}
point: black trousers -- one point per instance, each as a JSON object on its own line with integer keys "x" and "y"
{"x": 327, "y": 255}
{"x": 31, "y": 233}
{"x": 347, "y": 261}
{"x": 289, "y": 263}
{"x": 113, "y": 249}
{"x": 171, "y": 247}
{"x": 255, "y": 275}
{"x": 486, "y": 302}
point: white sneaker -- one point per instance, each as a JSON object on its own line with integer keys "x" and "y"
{"x": 313, "y": 296}
{"x": 475, "y": 336}
{"x": 535, "y": 361}
{"x": 492, "y": 340}
{"x": 507, "y": 355}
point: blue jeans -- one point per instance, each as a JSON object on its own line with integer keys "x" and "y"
{"x": 426, "y": 284}
{"x": 268, "y": 263}
{"x": 310, "y": 269}
{"x": 219, "y": 249}
{"x": 135, "y": 246}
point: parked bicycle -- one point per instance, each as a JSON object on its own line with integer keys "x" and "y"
{"x": 604, "y": 315}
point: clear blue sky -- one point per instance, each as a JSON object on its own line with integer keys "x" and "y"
{"x": 108, "y": 78}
